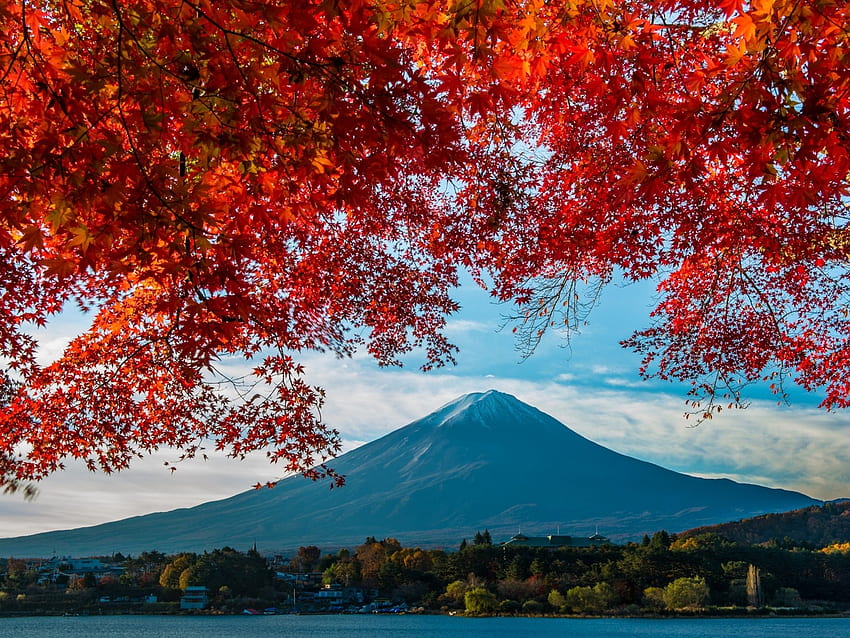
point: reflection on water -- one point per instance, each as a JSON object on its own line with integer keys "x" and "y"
{"x": 415, "y": 626}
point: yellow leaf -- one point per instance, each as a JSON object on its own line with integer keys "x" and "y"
{"x": 81, "y": 237}
{"x": 60, "y": 215}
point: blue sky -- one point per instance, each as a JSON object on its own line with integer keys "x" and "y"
{"x": 593, "y": 387}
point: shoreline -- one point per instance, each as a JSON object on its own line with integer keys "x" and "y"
{"x": 733, "y": 614}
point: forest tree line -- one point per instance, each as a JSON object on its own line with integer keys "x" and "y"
{"x": 661, "y": 574}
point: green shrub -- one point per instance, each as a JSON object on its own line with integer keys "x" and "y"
{"x": 510, "y": 606}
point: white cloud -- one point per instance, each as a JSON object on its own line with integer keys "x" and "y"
{"x": 600, "y": 369}
{"x": 465, "y": 326}
{"x": 623, "y": 382}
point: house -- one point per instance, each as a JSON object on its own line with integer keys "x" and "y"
{"x": 330, "y": 594}
{"x": 336, "y": 594}
{"x": 555, "y": 541}
{"x": 194, "y": 598}
{"x": 302, "y": 579}
{"x": 74, "y": 569}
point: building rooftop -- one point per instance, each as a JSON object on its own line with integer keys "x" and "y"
{"x": 556, "y": 541}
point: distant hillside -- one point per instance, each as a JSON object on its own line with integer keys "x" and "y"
{"x": 818, "y": 526}
{"x": 486, "y": 460}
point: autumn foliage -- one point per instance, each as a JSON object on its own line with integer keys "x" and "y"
{"x": 244, "y": 179}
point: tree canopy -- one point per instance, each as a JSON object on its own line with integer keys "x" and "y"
{"x": 245, "y": 179}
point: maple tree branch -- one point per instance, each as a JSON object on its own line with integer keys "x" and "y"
{"x": 13, "y": 59}
{"x": 261, "y": 111}
{"x": 323, "y": 66}
{"x": 239, "y": 384}
{"x": 559, "y": 297}
{"x": 706, "y": 402}
{"x": 764, "y": 299}
{"x": 11, "y": 483}
{"x": 33, "y": 52}
{"x": 127, "y": 130}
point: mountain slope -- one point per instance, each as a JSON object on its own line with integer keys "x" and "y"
{"x": 486, "y": 460}
{"x": 813, "y": 526}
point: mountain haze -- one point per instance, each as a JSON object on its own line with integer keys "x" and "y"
{"x": 485, "y": 460}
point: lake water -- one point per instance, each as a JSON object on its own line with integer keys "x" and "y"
{"x": 415, "y": 627}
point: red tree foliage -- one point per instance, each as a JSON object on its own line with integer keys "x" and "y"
{"x": 260, "y": 179}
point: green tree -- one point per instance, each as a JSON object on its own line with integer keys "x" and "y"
{"x": 686, "y": 593}
{"x": 18, "y": 576}
{"x": 145, "y": 569}
{"x": 456, "y": 590}
{"x": 390, "y": 576}
{"x": 660, "y": 540}
{"x": 517, "y": 569}
{"x": 605, "y": 595}
{"x": 479, "y": 600}
{"x": 537, "y": 567}
{"x": 653, "y": 598}
{"x": 787, "y": 597}
{"x": 484, "y": 561}
{"x": 646, "y": 565}
{"x": 245, "y": 574}
{"x": 482, "y": 538}
{"x": 557, "y": 600}
{"x": 594, "y": 599}
{"x": 346, "y": 572}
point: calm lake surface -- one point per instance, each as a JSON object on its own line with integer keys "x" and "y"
{"x": 414, "y": 627}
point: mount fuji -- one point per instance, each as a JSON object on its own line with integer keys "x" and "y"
{"x": 485, "y": 460}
